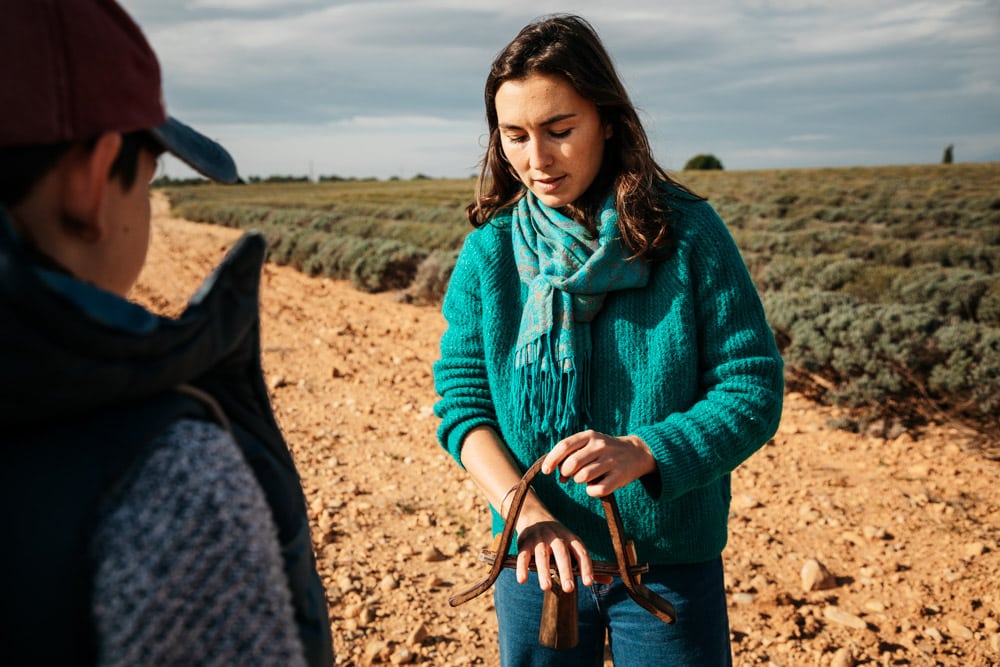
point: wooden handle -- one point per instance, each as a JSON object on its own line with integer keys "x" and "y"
{"x": 559, "y": 626}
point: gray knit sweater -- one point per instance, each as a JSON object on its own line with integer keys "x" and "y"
{"x": 188, "y": 569}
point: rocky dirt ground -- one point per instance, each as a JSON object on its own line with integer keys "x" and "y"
{"x": 845, "y": 549}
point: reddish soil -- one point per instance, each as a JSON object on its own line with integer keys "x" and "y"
{"x": 908, "y": 528}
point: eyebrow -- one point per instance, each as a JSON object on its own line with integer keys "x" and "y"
{"x": 544, "y": 123}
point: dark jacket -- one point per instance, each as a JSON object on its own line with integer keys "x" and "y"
{"x": 87, "y": 379}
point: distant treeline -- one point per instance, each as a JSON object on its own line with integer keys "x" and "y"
{"x": 168, "y": 181}
{"x": 881, "y": 284}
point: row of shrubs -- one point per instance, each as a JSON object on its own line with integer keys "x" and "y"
{"x": 902, "y": 360}
{"x": 881, "y": 284}
{"x": 376, "y": 248}
{"x": 964, "y": 294}
{"x": 819, "y": 242}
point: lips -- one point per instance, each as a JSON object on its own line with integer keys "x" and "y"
{"x": 548, "y": 184}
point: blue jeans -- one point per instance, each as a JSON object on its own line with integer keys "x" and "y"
{"x": 699, "y": 637}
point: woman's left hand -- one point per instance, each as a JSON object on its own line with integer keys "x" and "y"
{"x": 604, "y": 463}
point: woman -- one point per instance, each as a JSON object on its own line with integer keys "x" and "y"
{"x": 600, "y": 315}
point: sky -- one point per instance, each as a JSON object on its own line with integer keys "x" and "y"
{"x": 394, "y": 88}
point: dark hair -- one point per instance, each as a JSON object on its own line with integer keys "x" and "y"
{"x": 126, "y": 165}
{"x": 568, "y": 46}
{"x": 21, "y": 167}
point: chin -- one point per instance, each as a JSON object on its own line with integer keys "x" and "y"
{"x": 554, "y": 200}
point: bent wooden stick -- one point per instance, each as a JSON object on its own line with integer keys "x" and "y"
{"x": 554, "y": 632}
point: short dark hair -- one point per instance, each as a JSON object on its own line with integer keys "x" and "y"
{"x": 21, "y": 167}
{"x": 126, "y": 165}
{"x": 568, "y": 46}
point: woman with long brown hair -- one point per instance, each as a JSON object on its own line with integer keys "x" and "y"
{"x": 600, "y": 315}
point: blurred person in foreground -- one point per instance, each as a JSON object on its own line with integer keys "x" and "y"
{"x": 152, "y": 511}
{"x": 600, "y": 316}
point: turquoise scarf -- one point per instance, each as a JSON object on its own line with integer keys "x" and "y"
{"x": 568, "y": 274}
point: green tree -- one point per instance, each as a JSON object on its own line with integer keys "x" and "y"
{"x": 948, "y": 154}
{"x": 703, "y": 161}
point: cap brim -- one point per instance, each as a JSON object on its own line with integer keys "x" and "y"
{"x": 199, "y": 152}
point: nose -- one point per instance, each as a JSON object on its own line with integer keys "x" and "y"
{"x": 539, "y": 155}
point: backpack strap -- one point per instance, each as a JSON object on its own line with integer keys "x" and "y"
{"x": 210, "y": 402}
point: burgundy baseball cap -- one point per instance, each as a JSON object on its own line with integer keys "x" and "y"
{"x": 72, "y": 69}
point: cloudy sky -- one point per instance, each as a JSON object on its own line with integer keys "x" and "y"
{"x": 394, "y": 87}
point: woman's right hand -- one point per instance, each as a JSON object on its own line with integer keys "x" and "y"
{"x": 550, "y": 544}
{"x": 540, "y": 536}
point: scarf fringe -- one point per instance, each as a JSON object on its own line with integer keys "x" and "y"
{"x": 555, "y": 393}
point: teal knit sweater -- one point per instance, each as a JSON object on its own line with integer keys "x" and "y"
{"x": 687, "y": 363}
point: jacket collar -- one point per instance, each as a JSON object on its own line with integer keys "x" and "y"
{"x": 67, "y": 347}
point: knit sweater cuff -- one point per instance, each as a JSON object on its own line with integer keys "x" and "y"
{"x": 671, "y": 465}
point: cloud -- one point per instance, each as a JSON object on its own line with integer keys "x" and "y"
{"x": 808, "y": 138}
{"x": 365, "y": 146}
{"x": 881, "y": 82}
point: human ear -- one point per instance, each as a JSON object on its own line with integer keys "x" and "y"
{"x": 85, "y": 188}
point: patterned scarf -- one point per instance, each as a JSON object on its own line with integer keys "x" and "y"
{"x": 568, "y": 274}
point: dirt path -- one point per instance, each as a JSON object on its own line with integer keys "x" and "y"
{"x": 909, "y": 528}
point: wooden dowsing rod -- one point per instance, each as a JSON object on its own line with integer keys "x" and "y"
{"x": 558, "y": 628}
